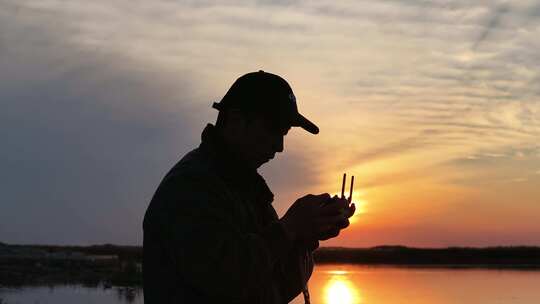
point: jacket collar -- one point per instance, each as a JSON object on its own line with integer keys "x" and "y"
{"x": 231, "y": 168}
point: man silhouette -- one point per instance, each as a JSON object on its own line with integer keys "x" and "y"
{"x": 211, "y": 234}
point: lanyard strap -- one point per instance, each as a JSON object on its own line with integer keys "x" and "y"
{"x": 304, "y": 268}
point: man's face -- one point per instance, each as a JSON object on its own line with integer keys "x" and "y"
{"x": 261, "y": 141}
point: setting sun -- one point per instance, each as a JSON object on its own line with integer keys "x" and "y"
{"x": 360, "y": 205}
{"x": 340, "y": 291}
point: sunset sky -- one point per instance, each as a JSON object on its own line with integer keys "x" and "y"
{"x": 434, "y": 106}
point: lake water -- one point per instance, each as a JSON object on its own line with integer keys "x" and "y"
{"x": 344, "y": 284}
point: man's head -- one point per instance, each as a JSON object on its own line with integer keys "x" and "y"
{"x": 256, "y": 113}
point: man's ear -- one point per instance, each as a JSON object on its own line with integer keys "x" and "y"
{"x": 236, "y": 121}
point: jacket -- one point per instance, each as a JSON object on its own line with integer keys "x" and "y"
{"x": 211, "y": 235}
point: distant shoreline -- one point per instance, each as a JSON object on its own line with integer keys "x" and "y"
{"x": 519, "y": 257}
{"x": 517, "y": 267}
{"x": 109, "y": 264}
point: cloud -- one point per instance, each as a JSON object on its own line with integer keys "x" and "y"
{"x": 493, "y": 23}
{"x": 518, "y": 180}
{"x": 404, "y": 146}
{"x": 86, "y": 135}
{"x": 90, "y": 128}
{"x": 101, "y": 97}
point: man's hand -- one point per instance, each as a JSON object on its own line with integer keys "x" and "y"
{"x": 332, "y": 231}
{"x": 317, "y": 217}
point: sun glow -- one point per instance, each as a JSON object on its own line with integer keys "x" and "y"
{"x": 360, "y": 205}
{"x": 339, "y": 290}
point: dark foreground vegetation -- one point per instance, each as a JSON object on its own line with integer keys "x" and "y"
{"x": 88, "y": 265}
{"x": 109, "y": 265}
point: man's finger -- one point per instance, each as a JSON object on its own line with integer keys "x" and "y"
{"x": 329, "y": 234}
{"x": 341, "y": 224}
{"x": 330, "y": 209}
{"x": 353, "y": 209}
{"x": 329, "y": 220}
{"x": 350, "y": 211}
{"x": 321, "y": 198}
{"x": 344, "y": 224}
{"x": 344, "y": 203}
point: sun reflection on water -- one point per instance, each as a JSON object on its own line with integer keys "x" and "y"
{"x": 340, "y": 290}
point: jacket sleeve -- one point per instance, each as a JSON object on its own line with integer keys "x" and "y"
{"x": 289, "y": 273}
{"x": 208, "y": 250}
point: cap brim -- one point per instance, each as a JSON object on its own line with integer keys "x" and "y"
{"x": 305, "y": 124}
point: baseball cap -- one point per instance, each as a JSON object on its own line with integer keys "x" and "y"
{"x": 268, "y": 94}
